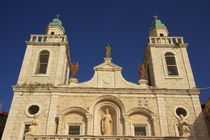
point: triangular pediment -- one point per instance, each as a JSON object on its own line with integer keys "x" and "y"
{"x": 107, "y": 66}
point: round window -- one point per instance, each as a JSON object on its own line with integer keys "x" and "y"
{"x": 33, "y": 109}
{"x": 180, "y": 111}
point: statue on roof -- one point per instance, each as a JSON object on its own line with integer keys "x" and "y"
{"x": 108, "y": 50}
{"x": 141, "y": 70}
{"x": 74, "y": 69}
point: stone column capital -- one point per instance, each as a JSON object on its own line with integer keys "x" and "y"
{"x": 154, "y": 117}
{"x": 88, "y": 116}
{"x": 125, "y": 116}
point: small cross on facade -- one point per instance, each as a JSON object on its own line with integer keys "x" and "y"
{"x": 155, "y": 17}
{"x": 58, "y": 15}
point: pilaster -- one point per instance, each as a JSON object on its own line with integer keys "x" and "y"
{"x": 162, "y": 115}
{"x": 126, "y": 123}
{"x": 51, "y": 125}
{"x": 154, "y": 123}
{"x": 89, "y": 122}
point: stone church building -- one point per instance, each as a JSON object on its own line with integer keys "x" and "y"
{"x": 163, "y": 105}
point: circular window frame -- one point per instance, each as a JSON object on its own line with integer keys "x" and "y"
{"x": 32, "y": 115}
{"x": 52, "y": 33}
{"x": 184, "y": 109}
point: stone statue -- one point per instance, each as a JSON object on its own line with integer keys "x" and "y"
{"x": 108, "y": 50}
{"x": 106, "y": 123}
{"x": 184, "y": 126}
{"x": 74, "y": 69}
{"x": 33, "y": 126}
{"x": 141, "y": 70}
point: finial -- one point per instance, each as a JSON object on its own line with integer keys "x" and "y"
{"x": 58, "y": 15}
{"x": 155, "y": 17}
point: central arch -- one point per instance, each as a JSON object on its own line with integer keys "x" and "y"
{"x": 116, "y": 110}
{"x": 110, "y": 98}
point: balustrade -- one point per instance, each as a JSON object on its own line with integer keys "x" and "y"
{"x": 165, "y": 40}
{"x": 89, "y": 137}
{"x": 48, "y": 38}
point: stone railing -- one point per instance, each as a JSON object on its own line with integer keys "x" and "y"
{"x": 48, "y": 38}
{"x": 89, "y": 137}
{"x": 165, "y": 40}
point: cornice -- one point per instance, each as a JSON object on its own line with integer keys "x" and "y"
{"x": 46, "y": 43}
{"x": 91, "y": 90}
{"x": 168, "y": 45}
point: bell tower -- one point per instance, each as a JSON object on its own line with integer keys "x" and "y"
{"x": 166, "y": 59}
{"x": 47, "y": 57}
{"x": 158, "y": 28}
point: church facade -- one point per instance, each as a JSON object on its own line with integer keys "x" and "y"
{"x": 163, "y": 105}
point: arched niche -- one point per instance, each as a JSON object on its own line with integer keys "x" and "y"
{"x": 110, "y": 98}
{"x": 116, "y": 110}
{"x": 73, "y": 117}
{"x": 141, "y": 122}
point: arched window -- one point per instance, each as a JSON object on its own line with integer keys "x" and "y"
{"x": 171, "y": 64}
{"x": 43, "y": 62}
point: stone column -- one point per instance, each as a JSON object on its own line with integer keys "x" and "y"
{"x": 162, "y": 115}
{"x": 52, "y": 115}
{"x": 154, "y": 121}
{"x": 89, "y": 122}
{"x": 126, "y": 125}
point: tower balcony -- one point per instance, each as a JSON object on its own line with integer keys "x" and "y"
{"x": 166, "y": 40}
{"x": 90, "y": 137}
{"x": 48, "y": 38}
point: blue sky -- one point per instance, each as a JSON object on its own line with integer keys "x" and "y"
{"x": 90, "y": 24}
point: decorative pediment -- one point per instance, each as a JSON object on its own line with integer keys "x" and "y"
{"x": 107, "y": 75}
{"x": 107, "y": 66}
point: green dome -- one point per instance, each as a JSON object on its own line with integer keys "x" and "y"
{"x": 157, "y": 23}
{"x": 56, "y": 22}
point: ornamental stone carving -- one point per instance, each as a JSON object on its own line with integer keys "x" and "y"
{"x": 184, "y": 126}
{"x": 33, "y": 126}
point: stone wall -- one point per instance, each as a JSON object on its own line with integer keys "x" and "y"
{"x": 18, "y": 116}
{"x": 185, "y": 78}
{"x": 82, "y": 105}
{"x": 56, "y": 65}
